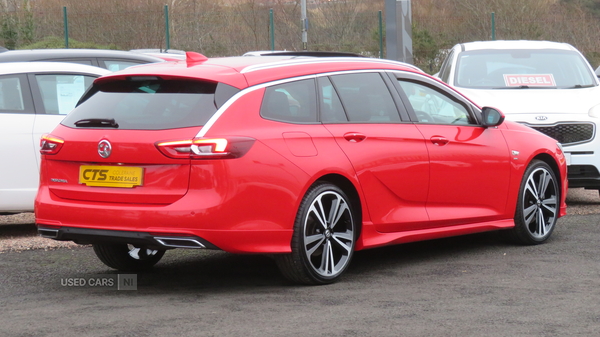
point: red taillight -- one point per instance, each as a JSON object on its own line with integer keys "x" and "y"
{"x": 176, "y": 149}
{"x": 50, "y": 144}
{"x": 206, "y": 148}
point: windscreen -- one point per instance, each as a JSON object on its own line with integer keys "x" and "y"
{"x": 536, "y": 68}
{"x": 145, "y": 104}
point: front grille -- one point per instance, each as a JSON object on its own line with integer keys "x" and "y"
{"x": 582, "y": 171}
{"x": 583, "y": 176}
{"x": 568, "y": 133}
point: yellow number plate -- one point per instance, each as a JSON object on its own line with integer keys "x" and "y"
{"x": 111, "y": 176}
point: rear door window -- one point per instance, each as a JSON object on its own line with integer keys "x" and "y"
{"x": 14, "y": 95}
{"x": 293, "y": 102}
{"x": 365, "y": 98}
{"x": 115, "y": 65}
{"x": 147, "y": 104}
{"x": 87, "y": 61}
{"x": 60, "y": 93}
{"x": 332, "y": 110}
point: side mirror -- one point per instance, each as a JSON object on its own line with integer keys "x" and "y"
{"x": 491, "y": 116}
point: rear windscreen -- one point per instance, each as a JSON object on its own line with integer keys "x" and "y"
{"x": 146, "y": 104}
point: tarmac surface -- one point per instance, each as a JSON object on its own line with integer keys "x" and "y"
{"x": 475, "y": 285}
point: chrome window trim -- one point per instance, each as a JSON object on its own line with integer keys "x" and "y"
{"x": 440, "y": 85}
{"x": 245, "y": 91}
{"x": 237, "y": 96}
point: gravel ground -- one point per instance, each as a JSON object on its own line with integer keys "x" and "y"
{"x": 21, "y": 218}
{"x": 18, "y": 232}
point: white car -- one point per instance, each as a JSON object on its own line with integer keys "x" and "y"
{"x": 34, "y": 98}
{"x": 548, "y": 86}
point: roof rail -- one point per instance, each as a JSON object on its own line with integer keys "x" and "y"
{"x": 313, "y": 60}
{"x": 307, "y": 53}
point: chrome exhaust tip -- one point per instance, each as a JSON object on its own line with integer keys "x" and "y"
{"x": 179, "y": 242}
{"x": 50, "y": 233}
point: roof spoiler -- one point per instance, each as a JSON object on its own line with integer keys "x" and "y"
{"x": 192, "y": 58}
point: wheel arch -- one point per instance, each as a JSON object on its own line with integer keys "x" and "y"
{"x": 548, "y": 159}
{"x": 519, "y": 171}
{"x": 563, "y": 184}
{"x": 351, "y": 191}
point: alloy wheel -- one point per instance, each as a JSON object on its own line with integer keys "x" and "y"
{"x": 328, "y": 234}
{"x": 540, "y": 205}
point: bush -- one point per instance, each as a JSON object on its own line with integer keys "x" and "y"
{"x": 55, "y": 42}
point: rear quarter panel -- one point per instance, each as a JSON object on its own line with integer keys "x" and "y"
{"x": 304, "y": 152}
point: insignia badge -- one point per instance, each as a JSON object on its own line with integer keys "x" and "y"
{"x": 104, "y": 148}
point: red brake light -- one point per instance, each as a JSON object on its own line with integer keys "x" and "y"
{"x": 175, "y": 149}
{"x": 50, "y": 144}
{"x": 206, "y": 148}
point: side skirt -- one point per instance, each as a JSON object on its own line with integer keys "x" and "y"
{"x": 371, "y": 238}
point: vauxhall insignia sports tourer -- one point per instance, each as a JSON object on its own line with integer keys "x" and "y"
{"x": 306, "y": 159}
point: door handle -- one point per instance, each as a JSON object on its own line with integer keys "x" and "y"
{"x": 354, "y": 137}
{"x": 439, "y": 140}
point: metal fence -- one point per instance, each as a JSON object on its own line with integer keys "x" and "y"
{"x": 223, "y": 31}
{"x": 226, "y": 32}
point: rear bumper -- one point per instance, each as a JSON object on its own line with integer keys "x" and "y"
{"x": 142, "y": 239}
{"x": 233, "y": 222}
{"x": 233, "y": 241}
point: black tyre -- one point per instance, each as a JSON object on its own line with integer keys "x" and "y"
{"x": 324, "y": 238}
{"x": 127, "y": 257}
{"x": 538, "y": 205}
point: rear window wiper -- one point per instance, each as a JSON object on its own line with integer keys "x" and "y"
{"x": 97, "y": 122}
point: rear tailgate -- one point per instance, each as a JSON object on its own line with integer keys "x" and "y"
{"x": 134, "y": 172}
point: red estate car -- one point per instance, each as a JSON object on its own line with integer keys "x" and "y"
{"x": 307, "y": 159}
